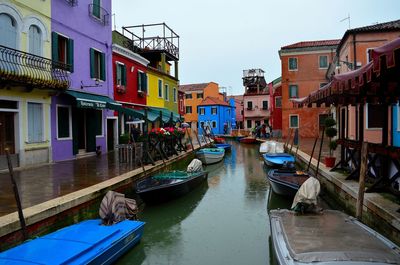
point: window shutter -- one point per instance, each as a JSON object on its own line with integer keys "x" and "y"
{"x": 123, "y": 75}
{"x": 144, "y": 82}
{"x": 91, "y": 63}
{"x": 54, "y": 46}
{"x": 70, "y": 56}
{"x": 103, "y": 66}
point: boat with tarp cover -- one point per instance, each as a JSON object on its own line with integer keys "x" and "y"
{"x": 286, "y": 182}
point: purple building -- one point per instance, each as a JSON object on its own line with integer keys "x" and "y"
{"x": 82, "y": 118}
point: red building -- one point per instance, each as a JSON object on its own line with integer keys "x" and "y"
{"x": 276, "y": 105}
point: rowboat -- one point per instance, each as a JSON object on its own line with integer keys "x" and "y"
{"x": 328, "y": 238}
{"x": 227, "y": 147}
{"x": 169, "y": 185}
{"x": 277, "y": 159}
{"x": 286, "y": 182}
{"x": 248, "y": 140}
{"x": 87, "y": 242}
{"x": 210, "y": 155}
{"x": 219, "y": 140}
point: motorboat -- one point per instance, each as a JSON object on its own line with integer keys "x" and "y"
{"x": 210, "y": 155}
{"x": 286, "y": 182}
{"x": 227, "y": 147}
{"x": 248, "y": 140}
{"x": 277, "y": 160}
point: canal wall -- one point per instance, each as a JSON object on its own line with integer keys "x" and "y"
{"x": 80, "y": 205}
{"x": 378, "y": 212}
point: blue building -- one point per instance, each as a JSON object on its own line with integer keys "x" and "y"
{"x": 217, "y": 115}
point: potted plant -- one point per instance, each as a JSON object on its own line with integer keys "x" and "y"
{"x": 330, "y": 132}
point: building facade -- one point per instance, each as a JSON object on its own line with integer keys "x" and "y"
{"x": 304, "y": 67}
{"x": 276, "y": 106}
{"x": 238, "y": 99}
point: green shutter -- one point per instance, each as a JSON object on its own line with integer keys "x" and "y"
{"x": 144, "y": 82}
{"x": 139, "y": 81}
{"x": 123, "y": 76}
{"x": 92, "y": 63}
{"x": 54, "y": 46}
{"x": 103, "y": 66}
{"x": 70, "y": 58}
{"x": 96, "y": 8}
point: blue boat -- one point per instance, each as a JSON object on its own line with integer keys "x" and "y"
{"x": 227, "y": 147}
{"x": 277, "y": 159}
{"x": 88, "y": 242}
{"x": 210, "y": 155}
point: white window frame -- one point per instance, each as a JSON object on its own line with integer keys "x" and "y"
{"x": 166, "y": 87}
{"x": 298, "y": 120}
{"x": 281, "y": 101}
{"x": 175, "y": 94}
{"x": 216, "y": 110}
{"x": 122, "y": 64}
{"x": 202, "y": 109}
{"x": 297, "y": 64}
{"x": 298, "y": 92}
{"x": 158, "y": 88}
{"x": 43, "y": 122}
{"x": 69, "y": 120}
{"x": 319, "y": 62}
{"x": 139, "y": 88}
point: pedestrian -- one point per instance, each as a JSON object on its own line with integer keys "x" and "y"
{"x": 264, "y": 131}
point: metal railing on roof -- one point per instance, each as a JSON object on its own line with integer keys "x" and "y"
{"x": 99, "y": 14}
{"x": 31, "y": 70}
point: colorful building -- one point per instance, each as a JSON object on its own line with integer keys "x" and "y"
{"x": 181, "y": 102}
{"x": 217, "y": 115}
{"x": 194, "y": 95}
{"x": 28, "y": 79}
{"x": 275, "y": 88}
{"x": 304, "y": 66}
{"x": 238, "y": 99}
{"x": 255, "y": 99}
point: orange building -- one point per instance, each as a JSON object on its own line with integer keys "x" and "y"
{"x": 194, "y": 95}
{"x": 304, "y": 67}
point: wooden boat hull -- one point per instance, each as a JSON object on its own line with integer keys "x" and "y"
{"x": 248, "y": 140}
{"x": 150, "y": 193}
{"x": 210, "y": 155}
{"x": 286, "y": 182}
{"x": 83, "y": 243}
{"x": 333, "y": 238}
{"x": 277, "y": 160}
{"x": 219, "y": 140}
{"x": 227, "y": 147}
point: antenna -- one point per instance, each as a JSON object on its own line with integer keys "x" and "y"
{"x": 346, "y": 18}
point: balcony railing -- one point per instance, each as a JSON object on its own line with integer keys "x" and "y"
{"x": 99, "y": 14}
{"x": 72, "y": 2}
{"x": 31, "y": 70}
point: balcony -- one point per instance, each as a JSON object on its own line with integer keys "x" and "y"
{"x": 72, "y": 2}
{"x": 21, "y": 68}
{"x": 99, "y": 14}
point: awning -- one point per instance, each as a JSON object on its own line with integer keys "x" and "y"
{"x": 167, "y": 115}
{"x": 127, "y": 111}
{"x": 88, "y": 100}
{"x": 152, "y": 117}
{"x": 386, "y": 53}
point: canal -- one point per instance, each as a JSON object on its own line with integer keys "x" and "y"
{"x": 224, "y": 221}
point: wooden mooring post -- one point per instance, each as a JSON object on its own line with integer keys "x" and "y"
{"x": 363, "y": 173}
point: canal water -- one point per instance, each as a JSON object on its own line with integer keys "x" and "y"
{"x": 224, "y": 221}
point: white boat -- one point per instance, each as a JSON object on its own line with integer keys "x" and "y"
{"x": 271, "y": 147}
{"x": 210, "y": 155}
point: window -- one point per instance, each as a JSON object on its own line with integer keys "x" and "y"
{"x": 249, "y": 105}
{"x": 63, "y": 122}
{"x": 265, "y": 104}
{"x": 293, "y": 121}
{"x": 188, "y": 109}
{"x": 35, "y": 122}
{"x": 121, "y": 75}
{"x": 166, "y": 92}
{"x": 97, "y": 65}
{"x": 323, "y": 62}
{"x": 202, "y": 124}
{"x": 278, "y": 102}
{"x": 8, "y": 31}
{"x": 99, "y": 122}
{"x": 202, "y": 111}
{"x": 375, "y": 113}
{"x": 199, "y": 95}
{"x": 321, "y": 120}
{"x": 142, "y": 81}
{"x": 321, "y": 85}
{"x": 160, "y": 87}
{"x": 62, "y": 50}
{"x": 188, "y": 96}
{"x": 35, "y": 40}
{"x": 241, "y": 112}
{"x": 214, "y": 110}
{"x": 292, "y": 64}
{"x": 96, "y": 8}
{"x": 175, "y": 94}
{"x": 214, "y": 124}
{"x": 293, "y": 91}
{"x": 248, "y": 124}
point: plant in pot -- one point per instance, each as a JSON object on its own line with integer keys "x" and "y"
{"x": 330, "y": 132}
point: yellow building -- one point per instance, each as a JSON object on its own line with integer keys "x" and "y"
{"x": 28, "y": 82}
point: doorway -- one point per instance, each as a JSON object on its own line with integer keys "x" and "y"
{"x": 81, "y": 132}
{"x": 111, "y": 134}
{"x": 7, "y": 137}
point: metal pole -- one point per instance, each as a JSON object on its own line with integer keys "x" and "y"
{"x": 320, "y": 151}
{"x": 312, "y": 153}
{"x": 16, "y": 194}
{"x": 190, "y": 138}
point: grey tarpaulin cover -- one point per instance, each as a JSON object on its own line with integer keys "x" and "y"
{"x": 115, "y": 208}
{"x": 308, "y": 192}
{"x": 195, "y": 166}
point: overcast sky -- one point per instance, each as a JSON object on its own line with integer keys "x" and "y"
{"x": 221, "y": 38}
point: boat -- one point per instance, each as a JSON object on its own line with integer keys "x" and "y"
{"x": 227, "y": 147}
{"x": 210, "y": 155}
{"x": 286, "y": 182}
{"x": 248, "y": 140}
{"x": 238, "y": 137}
{"x": 277, "y": 159}
{"x": 329, "y": 237}
{"x": 218, "y": 140}
{"x": 87, "y": 242}
{"x": 169, "y": 185}
{"x": 271, "y": 146}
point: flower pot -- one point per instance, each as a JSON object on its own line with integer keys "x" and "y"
{"x": 330, "y": 161}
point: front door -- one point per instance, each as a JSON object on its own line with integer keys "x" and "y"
{"x": 110, "y": 134}
{"x": 7, "y": 138}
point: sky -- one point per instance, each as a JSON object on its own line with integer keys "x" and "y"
{"x": 221, "y": 38}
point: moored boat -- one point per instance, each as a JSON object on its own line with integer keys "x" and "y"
{"x": 227, "y": 147}
{"x": 248, "y": 140}
{"x": 271, "y": 146}
{"x": 210, "y": 155}
{"x": 87, "y": 242}
{"x": 219, "y": 140}
{"x": 286, "y": 182}
{"x": 277, "y": 159}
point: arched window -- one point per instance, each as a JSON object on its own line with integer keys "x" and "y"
{"x": 35, "y": 40}
{"x": 8, "y": 31}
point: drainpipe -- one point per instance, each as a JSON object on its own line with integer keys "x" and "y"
{"x": 355, "y": 52}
